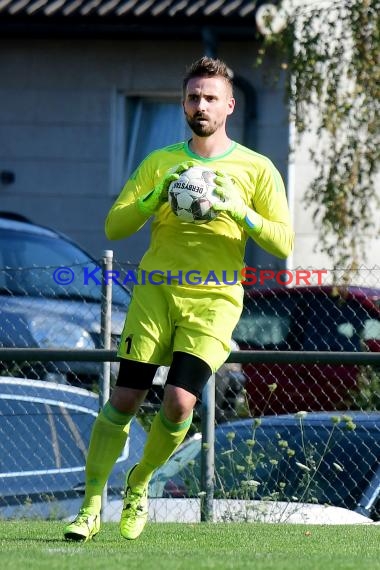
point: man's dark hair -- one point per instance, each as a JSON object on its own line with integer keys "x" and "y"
{"x": 208, "y": 67}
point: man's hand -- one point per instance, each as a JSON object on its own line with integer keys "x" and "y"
{"x": 231, "y": 201}
{"x": 149, "y": 203}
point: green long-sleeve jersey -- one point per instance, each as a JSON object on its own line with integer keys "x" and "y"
{"x": 178, "y": 247}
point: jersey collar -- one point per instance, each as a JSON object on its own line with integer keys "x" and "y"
{"x": 202, "y": 158}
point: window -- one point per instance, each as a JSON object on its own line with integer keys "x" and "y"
{"x": 151, "y": 124}
{"x": 143, "y": 124}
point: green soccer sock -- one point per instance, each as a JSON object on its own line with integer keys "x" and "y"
{"x": 163, "y": 439}
{"x": 108, "y": 437}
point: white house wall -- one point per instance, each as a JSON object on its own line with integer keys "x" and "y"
{"x": 306, "y": 251}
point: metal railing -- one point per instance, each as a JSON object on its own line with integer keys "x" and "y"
{"x": 267, "y": 364}
{"x": 208, "y": 396}
{"x": 242, "y": 356}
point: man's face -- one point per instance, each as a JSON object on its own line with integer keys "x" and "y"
{"x": 207, "y": 103}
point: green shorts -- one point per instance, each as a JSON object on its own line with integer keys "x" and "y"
{"x": 163, "y": 319}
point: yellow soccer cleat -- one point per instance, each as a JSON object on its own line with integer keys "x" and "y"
{"x": 135, "y": 512}
{"x": 84, "y": 527}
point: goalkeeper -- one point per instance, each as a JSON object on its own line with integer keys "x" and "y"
{"x": 187, "y": 327}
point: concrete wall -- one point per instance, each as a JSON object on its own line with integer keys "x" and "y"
{"x": 57, "y": 120}
{"x": 307, "y": 252}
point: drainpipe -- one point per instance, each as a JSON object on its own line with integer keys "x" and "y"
{"x": 208, "y": 393}
{"x": 209, "y": 42}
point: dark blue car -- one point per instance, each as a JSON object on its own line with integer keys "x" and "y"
{"x": 44, "y": 435}
{"x": 48, "y": 300}
{"x": 321, "y": 458}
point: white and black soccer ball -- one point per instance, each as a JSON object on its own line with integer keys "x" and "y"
{"x": 192, "y": 195}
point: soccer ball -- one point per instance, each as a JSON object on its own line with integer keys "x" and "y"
{"x": 192, "y": 195}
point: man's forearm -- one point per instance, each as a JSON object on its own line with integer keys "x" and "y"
{"x": 123, "y": 220}
{"x": 277, "y": 238}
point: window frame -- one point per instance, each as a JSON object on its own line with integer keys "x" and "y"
{"x": 121, "y": 132}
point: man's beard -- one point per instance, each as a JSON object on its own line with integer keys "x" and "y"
{"x": 201, "y": 129}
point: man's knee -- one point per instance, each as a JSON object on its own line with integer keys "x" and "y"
{"x": 127, "y": 400}
{"x": 178, "y": 403}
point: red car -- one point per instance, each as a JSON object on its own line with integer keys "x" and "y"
{"x": 322, "y": 318}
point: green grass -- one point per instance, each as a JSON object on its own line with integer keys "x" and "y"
{"x": 236, "y": 546}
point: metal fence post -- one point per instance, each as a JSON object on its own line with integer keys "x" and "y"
{"x": 105, "y": 332}
{"x": 208, "y": 451}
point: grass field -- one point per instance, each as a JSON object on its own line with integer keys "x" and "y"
{"x": 39, "y": 545}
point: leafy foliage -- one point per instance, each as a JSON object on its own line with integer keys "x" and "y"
{"x": 332, "y": 57}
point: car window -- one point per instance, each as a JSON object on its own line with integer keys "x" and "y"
{"x": 42, "y": 435}
{"x": 265, "y": 322}
{"x": 30, "y": 261}
{"x": 263, "y": 330}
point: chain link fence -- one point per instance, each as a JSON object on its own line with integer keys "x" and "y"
{"x": 286, "y": 433}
